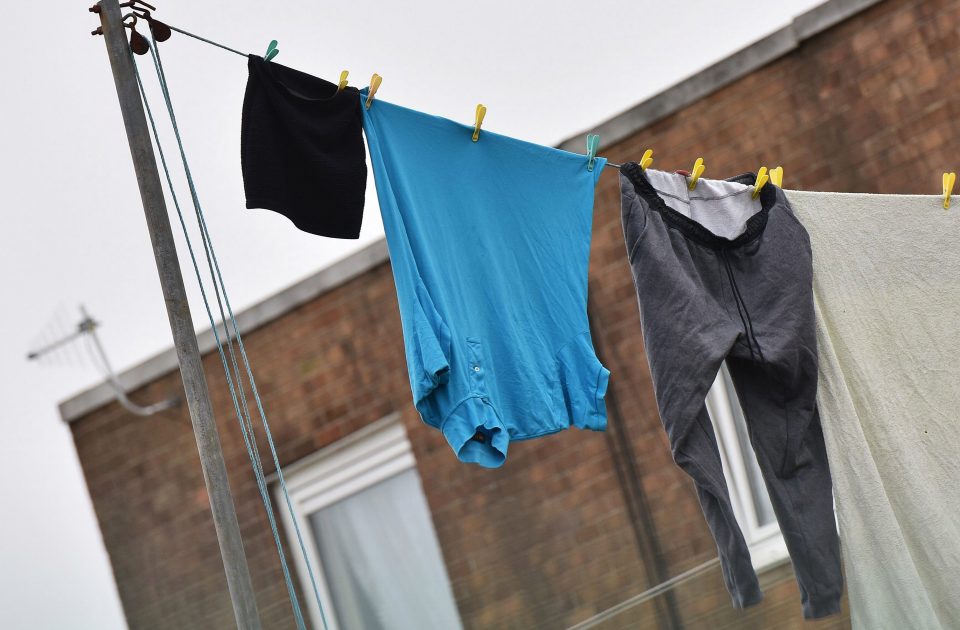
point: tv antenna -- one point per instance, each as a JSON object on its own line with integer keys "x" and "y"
{"x": 86, "y": 333}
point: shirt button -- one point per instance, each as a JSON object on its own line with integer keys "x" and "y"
{"x": 476, "y": 368}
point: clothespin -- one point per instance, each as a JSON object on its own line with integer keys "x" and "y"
{"x": 647, "y": 159}
{"x": 593, "y": 143}
{"x": 272, "y": 51}
{"x": 762, "y": 179}
{"x": 698, "y": 169}
{"x": 949, "y": 179}
{"x": 478, "y": 120}
{"x": 375, "y": 82}
{"x": 343, "y": 81}
{"x": 776, "y": 177}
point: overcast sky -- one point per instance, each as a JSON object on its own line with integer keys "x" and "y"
{"x": 73, "y": 230}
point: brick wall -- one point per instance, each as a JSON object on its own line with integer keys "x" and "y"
{"x": 547, "y": 540}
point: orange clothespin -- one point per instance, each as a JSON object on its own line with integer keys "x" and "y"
{"x": 375, "y": 82}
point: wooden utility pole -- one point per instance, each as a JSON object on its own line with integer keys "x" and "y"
{"x": 181, "y": 323}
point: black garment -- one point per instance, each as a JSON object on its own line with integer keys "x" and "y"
{"x": 301, "y": 149}
{"x": 748, "y": 300}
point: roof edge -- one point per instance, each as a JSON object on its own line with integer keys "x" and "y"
{"x": 248, "y": 320}
{"x": 720, "y": 74}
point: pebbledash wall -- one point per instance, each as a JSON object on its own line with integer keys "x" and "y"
{"x": 852, "y": 96}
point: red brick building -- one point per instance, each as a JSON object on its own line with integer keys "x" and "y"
{"x": 856, "y": 95}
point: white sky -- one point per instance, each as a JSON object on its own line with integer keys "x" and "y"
{"x": 73, "y": 231}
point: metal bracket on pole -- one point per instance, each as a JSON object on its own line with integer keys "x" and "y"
{"x": 181, "y": 323}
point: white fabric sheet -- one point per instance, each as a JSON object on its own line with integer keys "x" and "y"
{"x": 887, "y": 292}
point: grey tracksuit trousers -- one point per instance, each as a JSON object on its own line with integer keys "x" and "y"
{"x": 747, "y": 298}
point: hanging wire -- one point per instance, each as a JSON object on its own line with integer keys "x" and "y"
{"x": 204, "y": 39}
{"x": 243, "y": 415}
{"x": 242, "y": 54}
{"x": 646, "y": 595}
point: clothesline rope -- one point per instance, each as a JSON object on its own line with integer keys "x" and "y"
{"x": 250, "y": 444}
{"x": 646, "y": 595}
{"x": 243, "y": 352}
{"x": 209, "y": 41}
{"x": 242, "y": 54}
{"x": 243, "y": 415}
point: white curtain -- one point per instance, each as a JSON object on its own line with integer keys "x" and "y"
{"x": 382, "y": 561}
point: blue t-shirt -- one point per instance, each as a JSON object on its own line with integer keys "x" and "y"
{"x": 489, "y": 243}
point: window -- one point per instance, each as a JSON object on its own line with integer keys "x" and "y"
{"x": 751, "y": 504}
{"x": 369, "y": 535}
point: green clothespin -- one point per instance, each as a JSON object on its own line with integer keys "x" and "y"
{"x": 272, "y": 51}
{"x": 593, "y": 143}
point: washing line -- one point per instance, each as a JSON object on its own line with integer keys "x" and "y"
{"x": 204, "y": 39}
{"x": 593, "y": 140}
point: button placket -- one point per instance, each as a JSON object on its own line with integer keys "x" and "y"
{"x": 476, "y": 364}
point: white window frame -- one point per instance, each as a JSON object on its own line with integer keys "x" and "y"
{"x": 767, "y": 547}
{"x": 368, "y": 456}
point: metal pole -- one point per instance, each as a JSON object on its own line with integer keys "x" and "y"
{"x": 181, "y": 323}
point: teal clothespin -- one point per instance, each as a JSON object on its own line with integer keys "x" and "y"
{"x": 272, "y": 51}
{"x": 593, "y": 143}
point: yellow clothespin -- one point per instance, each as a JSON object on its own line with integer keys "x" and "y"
{"x": 481, "y": 112}
{"x": 762, "y": 179}
{"x": 375, "y": 82}
{"x": 343, "y": 81}
{"x": 949, "y": 179}
{"x": 776, "y": 177}
{"x": 698, "y": 169}
{"x": 647, "y": 159}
